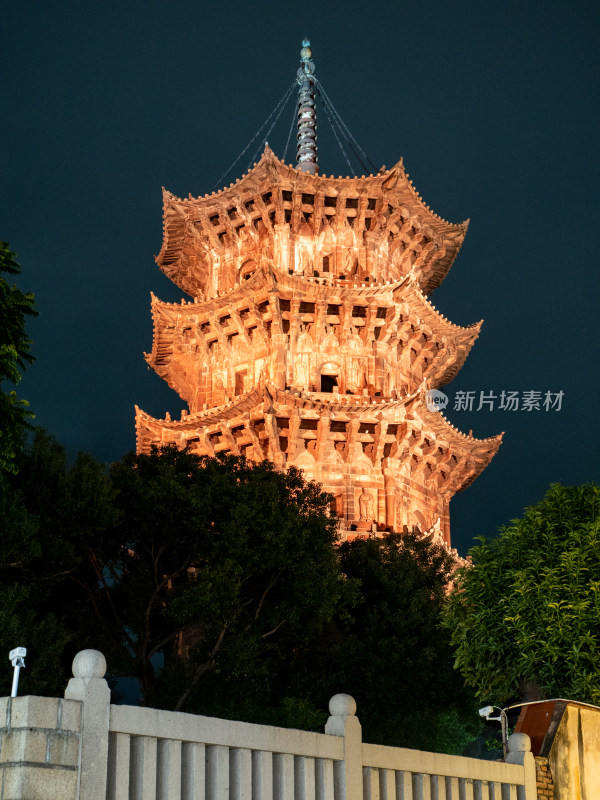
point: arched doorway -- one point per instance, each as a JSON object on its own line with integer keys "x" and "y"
{"x": 329, "y": 376}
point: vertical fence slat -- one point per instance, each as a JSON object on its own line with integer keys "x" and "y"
{"x": 142, "y": 775}
{"x": 404, "y": 785}
{"x": 240, "y": 774}
{"x": 508, "y": 791}
{"x": 466, "y": 789}
{"x": 426, "y": 786}
{"x": 339, "y": 780}
{"x": 305, "y": 787}
{"x": 387, "y": 784}
{"x": 324, "y": 780}
{"x": 168, "y": 766}
{"x": 262, "y": 775}
{"x": 283, "y": 776}
{"x": 193, "y": 771}
{"x": 493, "y": 791}
{"x": 117, "y": 784}
{"x": 452, "y": 789}
{"x": 370, "y": 783}
{"x": 217, "y": 772}
{"x": 438, "y": 787}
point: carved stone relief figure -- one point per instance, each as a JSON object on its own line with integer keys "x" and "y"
{"x": 365, "y": 506}
{"x": 301, "y": 371}
{"x": 304, "y": 262}
{"x": 359, "y": 373}
{"x": 219, "y": 392}
{"x": 259, "y": 370}
{"x": 330, "y": 342}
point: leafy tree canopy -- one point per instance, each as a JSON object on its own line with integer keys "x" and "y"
{"x": 388, "y": 648}
{"x": 225, "y": 562}
{"x": 15, "y": 355}
{"x": 525, "y": 616}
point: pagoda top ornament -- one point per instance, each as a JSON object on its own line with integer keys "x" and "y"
{"x": 306, "y": 151}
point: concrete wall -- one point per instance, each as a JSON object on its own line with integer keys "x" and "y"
{"x": 40, "y": 745}
{"x": 574, "y": 757}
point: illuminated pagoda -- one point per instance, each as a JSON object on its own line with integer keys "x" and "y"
{"x": 310, "y": 339}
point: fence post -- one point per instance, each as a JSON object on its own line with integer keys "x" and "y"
{"x": 88, "y": 685}
{"x": 519, "y": 752}
{"x": 344, "y": 722}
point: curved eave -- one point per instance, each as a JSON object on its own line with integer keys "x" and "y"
{"x": 477, "y": 452}
{"x": 163, "y": 334}
{"x": 410, "y": 291}
{"x": 393, "y": 182}
{"x": 266, "y": 394}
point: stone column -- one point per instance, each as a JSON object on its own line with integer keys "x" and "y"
{"x": 88, "y": 686}
{"x": 343, "y": 722}
{"x": 519, "y": 752}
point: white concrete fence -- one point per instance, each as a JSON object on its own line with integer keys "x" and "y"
{"x": 84, "y": 748}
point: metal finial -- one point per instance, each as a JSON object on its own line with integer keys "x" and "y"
{"x": 306, "y": 151}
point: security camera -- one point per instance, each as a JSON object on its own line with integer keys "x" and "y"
{"x": 18, "y": 652}
{"x": 485, "y": 712}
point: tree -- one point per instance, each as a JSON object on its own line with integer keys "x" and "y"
{"x": 51, "y": 517}
{"x": 216, "y": 570}
{"x": 524, "y": 617}
{"x": 15, "y": 354}
{"x": 388, "y": 650}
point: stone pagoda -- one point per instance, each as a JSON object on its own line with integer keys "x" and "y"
{"x": 310, "y": 339}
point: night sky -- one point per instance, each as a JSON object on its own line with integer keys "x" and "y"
{"x": 493, "y": 106}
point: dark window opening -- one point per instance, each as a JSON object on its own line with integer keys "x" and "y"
{"x": 352, "y": 202}
{"x": 287, "y": 196}
{"x": 308, "y": 199}
{"x": 308, "y": 424}
{"x": 328, "y": 382}
{"x": 333, "y": 310}
{"x": 307, "y": 308}
{"x": 266, "y": 198}
{"x": 287, "y": 215}
{"x": 337, "y": 426}
{"x": 330, "y": 202}
{"x": 325, "y": 263}
{"x": 371, "y": 204}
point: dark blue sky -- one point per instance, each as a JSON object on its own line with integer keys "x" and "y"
{"x": 494, "y": 107}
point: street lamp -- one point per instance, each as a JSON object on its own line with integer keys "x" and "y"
{"x": 502, "y": 719}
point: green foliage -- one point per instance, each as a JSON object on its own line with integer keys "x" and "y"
{"x": 50, "y": 515}
{"x": 216, "y": 570}
{"x": 524, "y": 617}
{"x": 15, "y": 346}
{"x": 387, "y": 649}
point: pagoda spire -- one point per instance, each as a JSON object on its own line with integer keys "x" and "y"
{"x": 306, "y": 151}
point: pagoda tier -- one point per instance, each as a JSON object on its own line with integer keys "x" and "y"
{"x": 389, "y": 464}
{"x": 370, "y": 229}
{"x": 380, "y": 340}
